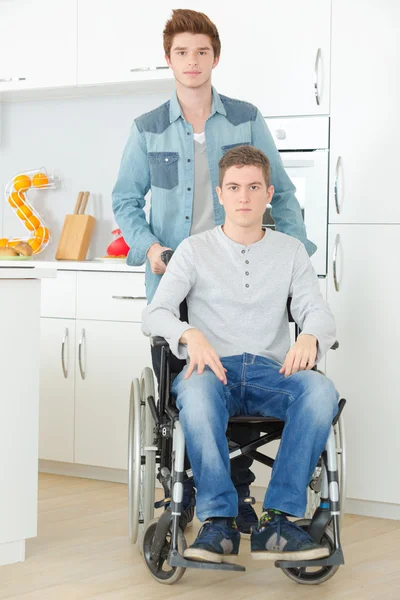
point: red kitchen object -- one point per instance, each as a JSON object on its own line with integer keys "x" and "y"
{"x": 118, "y": 247}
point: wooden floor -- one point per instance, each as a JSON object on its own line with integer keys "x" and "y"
{"x": 82, "y": 551}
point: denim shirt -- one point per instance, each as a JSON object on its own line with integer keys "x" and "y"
{"x": 159, "y": 156}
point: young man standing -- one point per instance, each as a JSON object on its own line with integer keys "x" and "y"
{"x": 174, "y": 152}
{"x": 237, "y": 279}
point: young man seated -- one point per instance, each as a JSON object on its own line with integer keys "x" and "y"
{"x": 237, "y": 279}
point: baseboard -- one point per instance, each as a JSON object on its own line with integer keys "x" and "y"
{"x": 12, "y": 552}
{"x": 83, "y": 471}
{"x": 353, "y": 506}
{"x": 366, "y": 508}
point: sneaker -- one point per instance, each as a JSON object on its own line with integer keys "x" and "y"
{"x": 277, "y": 538}
{"x": 247, "y": 517}
{"x": 217, "y": 541}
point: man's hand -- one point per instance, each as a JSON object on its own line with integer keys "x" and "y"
{"x": 154, "y": 256}
{"x": 201, "y": 353}
{"x": 301, "y": 355}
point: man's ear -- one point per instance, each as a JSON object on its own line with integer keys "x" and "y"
{"x": 167, "y": 60}
{"x": 219, "y": 193}
{"x": 216, "y": 61}
{"x": 270, "y": 193}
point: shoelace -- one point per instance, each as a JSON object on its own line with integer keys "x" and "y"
{"x": 283, "y": 524}
{"x": 208, "y": 530}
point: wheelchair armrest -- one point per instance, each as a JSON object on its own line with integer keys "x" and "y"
{"x": 158, "y": 341}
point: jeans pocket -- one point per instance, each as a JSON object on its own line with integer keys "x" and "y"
{"x": 225, "y": 149}
{"x": 164, "y": 169}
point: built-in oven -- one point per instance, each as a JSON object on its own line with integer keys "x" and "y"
{"x": 303, "y": 145}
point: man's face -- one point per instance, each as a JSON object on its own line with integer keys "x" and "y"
{"x": 192, "y": 59}
{"x": 244, "y": 195}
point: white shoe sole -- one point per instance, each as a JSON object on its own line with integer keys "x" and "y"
{"x": 207, "y": 556}
{"x": 299, "y": 555}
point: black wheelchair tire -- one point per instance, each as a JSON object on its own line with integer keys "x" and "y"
{"x": 172, "y": 575}
{"x": 315, "y": 577}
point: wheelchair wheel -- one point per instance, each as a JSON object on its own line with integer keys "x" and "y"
{"x": 141, "y": 457}
{"x": 313, "y": 575}
{"x": 148, "y": 455}
{"x": 314, "y": 487}
{"x": 161, "y": 571}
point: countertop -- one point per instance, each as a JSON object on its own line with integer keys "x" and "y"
{"x": 71, "y": 265}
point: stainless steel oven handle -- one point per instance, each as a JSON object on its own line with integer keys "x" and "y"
{"x": 335, "y": 188}
{"x": 65, "y": 340}
{"x": 335, "y": 251}
{"x": 316, "y": 89}
{"x": 83, "y": 338}
{"x": 10, "y": 79}
{"x": 137, "y": 69}
{"x": 129, "y": 297}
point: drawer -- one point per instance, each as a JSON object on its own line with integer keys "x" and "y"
{"x": 110, "y": 296}
{"x": 59, "y": 296}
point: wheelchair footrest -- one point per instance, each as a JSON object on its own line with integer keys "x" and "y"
{"x": 176, "y": 560}
{"x": 336, "y": 558}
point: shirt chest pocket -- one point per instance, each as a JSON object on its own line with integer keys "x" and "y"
{"x": 164, "y": 169}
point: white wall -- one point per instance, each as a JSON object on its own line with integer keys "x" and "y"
{"x": 79, "y": 139}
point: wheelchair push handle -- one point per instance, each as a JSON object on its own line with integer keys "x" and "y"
{"x": 166, "y": 256}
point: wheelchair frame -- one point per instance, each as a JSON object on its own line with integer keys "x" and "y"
{"x": 163, "y": 442}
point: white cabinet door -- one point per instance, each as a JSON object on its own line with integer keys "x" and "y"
{"x": 273, "y": 53}
{"x": 365, "y": 367}
{"x": 37, "y": 43}
{"x": 117, "y": 39}
{"x": 57, "y": 373}
{"x": 365, "y": 100}
{"x": 112, "y": 354}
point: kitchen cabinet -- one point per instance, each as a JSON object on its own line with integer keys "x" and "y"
{"x": 91, "y": 349}
{"x": 121, "y": 40}
{"x": 365, "y": 99}
{"x": 57, "y": 382}
{"x": 365, "y": 367}
{"x": 112, "y": 354}
{"x": 276, "y": 55}
{"x": 38, "y": 44}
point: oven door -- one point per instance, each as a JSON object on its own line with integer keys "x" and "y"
{"x": 308, "y": 170}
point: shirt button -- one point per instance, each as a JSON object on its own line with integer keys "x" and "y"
{"x": 166, "y": 159}
{"x": 247, "y": 285}
{"x": 243, "y": 251}
{"x": 247, "y": 262}
{"x": 188, "y": 159}
{"x": 189, "y": 189}
{"x": 188, "y": 133}
{"x": 187, "y": 218}
{"x": 246, "y": 273}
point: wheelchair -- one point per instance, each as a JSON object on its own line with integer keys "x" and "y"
{"x": 156, "y": 439}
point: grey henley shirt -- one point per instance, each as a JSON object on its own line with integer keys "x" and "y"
{"x": 237, "y": 296}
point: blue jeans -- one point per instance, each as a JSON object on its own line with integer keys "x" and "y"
{"x": 306, "y": 401}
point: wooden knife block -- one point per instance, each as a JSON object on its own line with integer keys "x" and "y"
{"x": 75, "y": 237}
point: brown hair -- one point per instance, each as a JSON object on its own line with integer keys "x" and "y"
{"x": 190, "y": 21}
{"x": 245, "y": 155}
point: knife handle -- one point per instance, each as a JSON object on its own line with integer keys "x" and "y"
{"x": 78, "y": 203}
{"x": 84, "y": 202}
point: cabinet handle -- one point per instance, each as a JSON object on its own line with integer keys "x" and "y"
{"x": 336, "y": 189}
{"x": 137, "y": 69}
{"x": 129, "y": 297}
{"x": 316, "y": 89}
{"x": 83, "y": 338}
{"x": 335, "y": 250}
{"x": 8, "y": 79}
{"x": 65, "y": 340}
